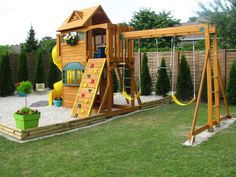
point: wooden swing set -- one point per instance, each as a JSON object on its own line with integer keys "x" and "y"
{"x": 210, "y": 40}
{"x": 81, "y": 39}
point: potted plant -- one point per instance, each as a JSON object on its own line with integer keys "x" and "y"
{"x": 57, "y": 101}
{"x": 26, "y": 118}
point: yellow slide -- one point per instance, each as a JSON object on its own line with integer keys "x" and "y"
{"x": 57, "y": 91}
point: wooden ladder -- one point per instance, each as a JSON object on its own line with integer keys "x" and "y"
{"x": 87, "y": 91}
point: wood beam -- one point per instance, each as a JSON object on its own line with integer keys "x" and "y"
{"x": 172, "y": 31}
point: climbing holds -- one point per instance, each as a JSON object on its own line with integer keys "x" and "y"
{"x": 82, "y": 111}
{"x": 88, "y": 75}
{"x": 85, "y": 85}
{"x": 92, "y": 81}
{"x": 91, "y": 65}
{"x": 79, "y": 105}
{"x": 76, "y": 115}
{"x": 82, "y": 94}
{"x": 86, "y": 101}
{"x": 96, "y": 71}
{"x": 90, "y": 90}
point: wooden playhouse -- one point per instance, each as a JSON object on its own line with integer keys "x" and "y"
{"x": 90, "y": 49}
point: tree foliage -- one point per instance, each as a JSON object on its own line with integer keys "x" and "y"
{"x": 47, "y": 44}
{"x": 6, "y": 82}
{"x": 115, "y": 82}
{"x": 231, "y": 89}
{"x": 222, "y": 13}
{"x": 146, "y": 82}
{"x": 22, "y": 70}
{"x": 149, "y": 19}
{"x": 163, "y": 82}
{"x": 31, "y": 43}
{"x": 39, "y": 73}
{"x": 53, "y": 74}
{"x": 184, "y": 86}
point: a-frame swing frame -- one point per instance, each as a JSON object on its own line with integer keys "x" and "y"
{"x": 208, "y": 31}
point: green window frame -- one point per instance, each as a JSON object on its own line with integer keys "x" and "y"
{"x": 72, "y": 74}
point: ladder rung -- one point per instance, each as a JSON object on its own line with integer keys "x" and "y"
{"x": 163, "y": 67}
{"x": 215, "y": 77}
{"x": 127, "y": 78}
{"x": 215, "y": 91}
{"x": 127, "y": 87}
{"x": 214, "y": 106}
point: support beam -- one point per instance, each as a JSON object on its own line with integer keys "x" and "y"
{"x": 172, "y": 31}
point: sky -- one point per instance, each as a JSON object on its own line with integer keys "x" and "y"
{"x": 46, "y": 16}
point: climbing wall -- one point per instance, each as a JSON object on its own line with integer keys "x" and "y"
{"x": 88, "y": 88}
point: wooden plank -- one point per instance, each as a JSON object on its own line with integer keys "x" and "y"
{"x": 172, "y": 31}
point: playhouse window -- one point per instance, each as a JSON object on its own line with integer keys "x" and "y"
{"x": 72, "y": 74}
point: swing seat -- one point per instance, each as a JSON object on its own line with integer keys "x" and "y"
{"x": 130, "y": 98}
{"x": 174, "y": 98}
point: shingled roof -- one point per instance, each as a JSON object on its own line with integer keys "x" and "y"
{"x": 80, "y": 18}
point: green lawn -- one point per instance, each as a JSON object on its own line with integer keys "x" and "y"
{"x": 145, "y": 144}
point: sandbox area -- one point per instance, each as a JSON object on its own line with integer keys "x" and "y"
{"x": 49, "y": 114}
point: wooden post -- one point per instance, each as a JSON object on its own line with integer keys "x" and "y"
{"x": 216, "y": 79}
{"x": 209, "y": 79}
{"x": 131, "y": 72}
{"x": 109, "y": 76}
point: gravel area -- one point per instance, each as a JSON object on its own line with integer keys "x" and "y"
{"x": 205, "y": 135}
{"x": 49, "y": 114}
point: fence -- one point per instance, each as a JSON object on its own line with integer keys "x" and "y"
{"x": 31, "y": 60}
{"x": 226, "y": 58}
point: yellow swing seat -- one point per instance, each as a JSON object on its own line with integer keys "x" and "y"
{"x": 174, "y": 98}
{"x": 124, "y": 93}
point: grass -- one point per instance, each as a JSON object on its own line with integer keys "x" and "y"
{"x": 144, "y": 144}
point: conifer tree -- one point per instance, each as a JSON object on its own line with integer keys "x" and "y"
{"x": 146, "y": 82}
{"x": 126, "y": 72}
{"x": 31, "y": 43}
{"x": 184, "y": 87}
{"x": 53, "y": 74}
{"x": 231, "y": 89}
{"x": 22, "y": 70}
{"x": 163, "y": 82}
{"x": 6, "y": 82}
{"x": 115, "y": 82}
{"x": 39, "y": 73}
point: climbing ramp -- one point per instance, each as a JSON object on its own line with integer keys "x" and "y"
{"x": 87, "y": 91}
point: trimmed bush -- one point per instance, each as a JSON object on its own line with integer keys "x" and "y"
{"x": 231, "y": 89}
{"x": 22, "y": 70}
{"x": 126, "y": 72}
{"x": 115, "y": 82}
{"x": 26, "y": 88}
{"x": 53, "y": 74}
{"x": 163, "y": 82}
{"x": 184, "y": 87}
{"x": 146, "y": 82}
{"x": 6, "y": 82}
{"x": 39, "y": 73}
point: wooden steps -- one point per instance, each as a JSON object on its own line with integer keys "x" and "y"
{"x": 87, "y": 91}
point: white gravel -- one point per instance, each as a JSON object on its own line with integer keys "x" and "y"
{"x": 49, "y": 114}
{"x": 205, "y": 135}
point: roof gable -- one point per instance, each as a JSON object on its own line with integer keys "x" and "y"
{"x": 80, "y": 18}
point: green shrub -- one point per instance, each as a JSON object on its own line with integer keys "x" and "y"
{"x": 22, "y": 70}
{"x": 163, "y": 82}
{"x": 184, "y": 87}
{"x": 6, "y": 82}
{"x": 115, "y": 82}
{"x": 126, "y": 79}
{"x": 53, "y": 74}
{"x": 146, "y": 82}
{"x": 231, "y": 89}
{"x": 26, "y": 88}
{"x": 39, "y": 73}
